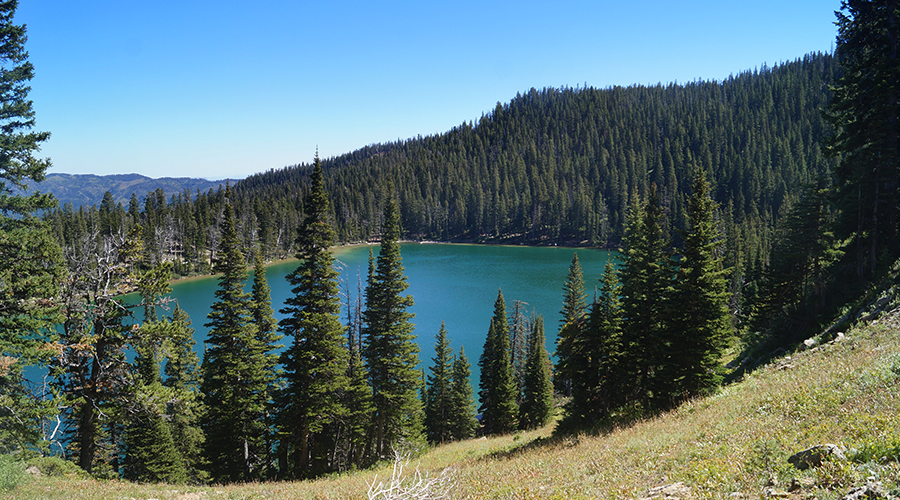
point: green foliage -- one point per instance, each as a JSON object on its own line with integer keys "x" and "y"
{"x": 152, "y": 455}
{"x": 590, "y": 352}
{"x": 646, "y": 287}
{"x": 699, "y": 328}
{"x": 865, "y": 111}
{"x": 537, "y": 395}
{"x": 12, "y": 472}
{"x": 795, "y": 285}
{"x": 438, "y": 395}
{"x": 56, "y": 467}
{"x": 316, "y": 362}
{"x": 497, "y": 387}
{"x": 461, "y": 420}
{"x": 182, "y": 372}
{"x": 237, "y": 372}
{"x": 390, "y": 350}
{"x": 573, "y": 293}
{"x": 31, "y": 264}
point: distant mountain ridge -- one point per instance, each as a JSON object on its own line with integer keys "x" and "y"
{"x": 88, "y": 189}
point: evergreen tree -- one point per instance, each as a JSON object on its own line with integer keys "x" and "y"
{"x": 182, "y": 372}
{"x": 804, "y": 248}
{"x": 519, "y": 332}
{"x": 235, "y": 371}
{"x": 461, "y": 420}
{"x": 261, "y": 304}
{"x": 31, "y": 263}
{"x": 263, "y": 319}
{"x": 592, "y": 360}
{"x": 700, "y": 323}
{"x": 573, "y": 308}
{"x": 865, "y": 109}
{"x": 573, "y": 293}
{"x": 391, "y": 353}
{"x": 438, "y": 394}
{"x": 537, "y": 397}
{"x": 497, "y": 387}
{"x": 358, "y": 399}
{"x": 151, "y": 454}
{"x": 317, "y": 360}
{"x": 646, "y": 282}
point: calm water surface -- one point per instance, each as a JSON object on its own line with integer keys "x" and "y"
{"x": 453, "y": 283}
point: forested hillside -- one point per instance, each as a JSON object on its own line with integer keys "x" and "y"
{"x": 552, "y": 166}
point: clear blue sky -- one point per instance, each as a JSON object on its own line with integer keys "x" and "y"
{"x": 227, "y": 89}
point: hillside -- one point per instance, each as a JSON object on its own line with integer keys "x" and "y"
{"x": 734, "y": 444}
{"x": 551, "y": 166}
{"x": 88, "y": 189}
{"x": 563, "y": 165}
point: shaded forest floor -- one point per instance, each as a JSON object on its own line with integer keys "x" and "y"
{"x": 734, "y": 444}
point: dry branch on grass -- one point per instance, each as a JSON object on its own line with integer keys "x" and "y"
{"x": 418, "y": 487}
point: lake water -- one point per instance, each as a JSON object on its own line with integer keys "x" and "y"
{"x": 453, "y": 283}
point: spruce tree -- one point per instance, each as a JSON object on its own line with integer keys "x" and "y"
{"x": 316, "y": 363}
{"x": 604, "y": 347}
{"x": 31, "y": 263}
{"x": 182, "y": 372}
{"x": 646, "y": 283}
{"x": 236, "y": 370}
{"x": 537, "y": 395}
{"x": 793, "y": 287}
{"x": 261, "y": 304}
{"x": 497, "y": 387}
{"x": 700, "y": 323}
{"x": 572, "y": 310}
{"x": 574, "y": 297}
{"x": 865, "y": 110}
{"x": 461, "y": 421}
{"x": 151, "y": 454}
{"x": 438, "y": 393}
{"x": 390, "y": 350}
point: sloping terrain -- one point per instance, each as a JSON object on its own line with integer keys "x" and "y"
{"x": 735, "y": 444}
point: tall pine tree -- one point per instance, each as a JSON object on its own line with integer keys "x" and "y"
{"x": 497, "y": 388}
{"x": 236, "y": 370}
{"x": 865, "y": 109}
{"x": 572, "y": 310}
{"x": 182, "y": 372}
{"x": 646, "y": 284}
{"x": 390, "y": 350}
{"x": 573, "y": 292}
{"x": 316, "y": 363}
{"x": 537, "y": 395}
{"x": 438, "y": 392}
{"x": 31, "y": 263}
{"x": 461, "y": 421}
{"x": 700, "y": 323}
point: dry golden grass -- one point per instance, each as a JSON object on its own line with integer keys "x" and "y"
{"x": 734, "y": 442}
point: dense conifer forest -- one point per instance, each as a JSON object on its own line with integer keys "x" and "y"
{"x": 551, "y": 166}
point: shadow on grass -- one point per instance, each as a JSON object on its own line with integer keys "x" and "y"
{"x": 570, "y": 436}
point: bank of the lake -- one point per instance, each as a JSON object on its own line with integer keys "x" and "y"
{"x": 455, "y": 283}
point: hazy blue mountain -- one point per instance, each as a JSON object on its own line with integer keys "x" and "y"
{"x": 88, "y": 189}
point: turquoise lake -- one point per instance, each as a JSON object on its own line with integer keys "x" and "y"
{"x": 453, "y": 283}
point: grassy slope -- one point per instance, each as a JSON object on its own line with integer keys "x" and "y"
{"x": 847, "y": 393}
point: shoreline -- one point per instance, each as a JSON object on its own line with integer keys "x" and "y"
{"x": 337, "y": 249}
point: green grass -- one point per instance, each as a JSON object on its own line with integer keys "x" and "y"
{"x": 735, "y": 441}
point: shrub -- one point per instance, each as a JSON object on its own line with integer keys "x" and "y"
{"x": 56, "y": 466}
{"x": 12, "y": 472}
